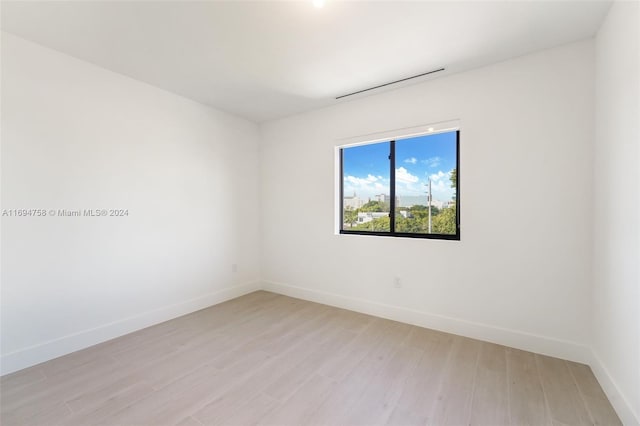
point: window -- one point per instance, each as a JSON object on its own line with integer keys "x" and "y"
{"x": 402, "y": 187}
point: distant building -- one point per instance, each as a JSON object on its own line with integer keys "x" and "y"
{"x": 439, "y": 204}
{"x": 365, "y": 217}
{"x": 383, "y": 198}
{"x": 417, "y": 200}
{"x": 411, "y": 200}
{"x": 354, "y": 202}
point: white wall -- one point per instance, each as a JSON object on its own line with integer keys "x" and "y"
{"x": 616, "y": 295}
{"x": 521, "y": 273}
{"x": 75, "y": 136}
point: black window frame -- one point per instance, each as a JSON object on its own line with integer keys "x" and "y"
{"x": 392, "y": 195}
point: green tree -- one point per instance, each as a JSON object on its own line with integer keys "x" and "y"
{"x": 377, "y": 224}
{"x": 423, "y": 211}
{"x": 445, "y": 222}
{"x": 375, "y": 206}
{"x": 454, "y": 181}
{"x": 414, "y": 225}
{"x": 350, "y": 216}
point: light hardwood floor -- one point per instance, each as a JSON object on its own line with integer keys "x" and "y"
{"x": 274, "y": 360}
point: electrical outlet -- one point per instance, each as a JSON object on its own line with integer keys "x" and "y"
{"x": 397, "y": 282}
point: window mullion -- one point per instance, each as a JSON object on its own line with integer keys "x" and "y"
{"x": 341, "y": 189}
{"x": 392, "y": 187}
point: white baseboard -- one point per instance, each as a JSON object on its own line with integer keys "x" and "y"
{"x": 36, "y": 354}
{"x": 572, "y": 351}
{"x": 568, "y": 350}
{"x": 620, "y": 403}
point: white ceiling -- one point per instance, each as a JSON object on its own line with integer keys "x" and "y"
{"x": 269, "y": 59}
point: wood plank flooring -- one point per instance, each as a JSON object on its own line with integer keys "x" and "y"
{"x": 274, "y": 360}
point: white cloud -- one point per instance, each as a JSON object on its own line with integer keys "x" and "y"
{"x": 361, "y": 181}
{"x": 438, "y": 186}
{"x": 432, "y": 161}
{"x": 438, "y": 176}
{"x": 365, "y": 186}
{"x": 356, "y": 181}
{"x": 402, "y": 175}
{"x": 412, "y": 160}
{"x": 407, "y": 184}
{"x": 441, "y": 186}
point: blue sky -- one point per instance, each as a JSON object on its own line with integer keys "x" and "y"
{"x": 366, "y": 167}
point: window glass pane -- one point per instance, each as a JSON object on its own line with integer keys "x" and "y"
{"x": 426, "y": 165}
{"x": 365, "y": 185}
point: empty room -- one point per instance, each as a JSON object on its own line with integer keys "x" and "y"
{"x": 320, "y": 212}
